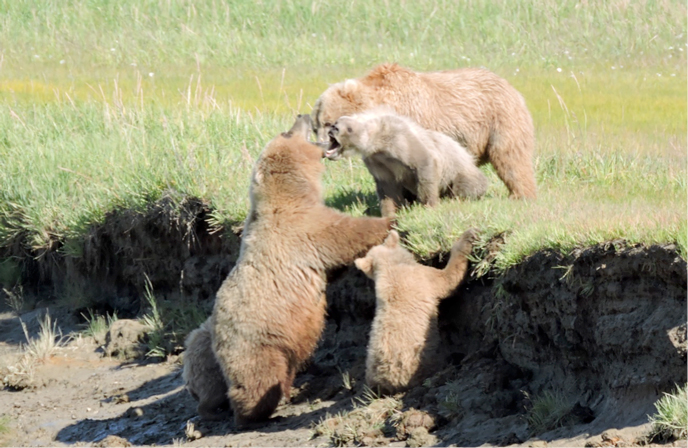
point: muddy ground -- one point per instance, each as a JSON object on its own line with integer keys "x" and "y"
{"x": 602, "y": 328}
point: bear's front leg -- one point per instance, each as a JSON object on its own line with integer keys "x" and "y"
{"x": 428, "y": 187}
{"x": 340, "y": 239}
{"x": 391, "y": 196}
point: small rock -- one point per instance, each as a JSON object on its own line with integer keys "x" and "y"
{"x": 119, "y": 399}
{"x": 611, "y": 437}
{"x": 134, "y": 412}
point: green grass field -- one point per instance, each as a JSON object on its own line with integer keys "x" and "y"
{"x": 107, "y": 104}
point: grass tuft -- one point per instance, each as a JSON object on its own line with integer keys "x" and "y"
{"x": 98, "y": 325}
{"x": 549, "y": 411}
{"x": 371, "y": 414}
{"x": 157, "y": 342}
{"x": 48, "y": 341}
{"x": 670, "y": 422}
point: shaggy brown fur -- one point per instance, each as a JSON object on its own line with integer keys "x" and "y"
{"x": 404, "y": 337}
{"x": 407, "y": 161}
{"x": 202, "y": 374}
{"x": 477, "y": 108}
{"x": 270, "y": 311}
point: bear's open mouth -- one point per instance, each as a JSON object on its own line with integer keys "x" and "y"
{"x": 333, "y": 149}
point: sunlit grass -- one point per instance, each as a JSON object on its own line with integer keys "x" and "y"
{"x": 82, "y": 34}
{"x": 182, "y": 96}
{"x": 68, "y": 163}
{"x": 579, "y": 99}
{"x": 670, "y": 422}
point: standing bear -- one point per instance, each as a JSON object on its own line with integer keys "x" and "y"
{"x": 407, "y": 161}
{"x": 404, "y": 338}
{"x": 270, "y": 311}
{"x": 474, "y": 106}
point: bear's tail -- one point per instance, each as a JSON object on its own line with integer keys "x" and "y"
{"x": 470, "y": 182}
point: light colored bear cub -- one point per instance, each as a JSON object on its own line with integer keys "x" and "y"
{"x": 407, "y": 161}
{"x": 404, "y": 337}
{"x": 202, "y": 375}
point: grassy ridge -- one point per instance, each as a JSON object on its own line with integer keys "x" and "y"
{"x": 126, "y": 100}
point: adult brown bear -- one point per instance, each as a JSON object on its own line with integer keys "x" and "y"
{"x": 270, "y": 311}
{"x": 474, "y": 106}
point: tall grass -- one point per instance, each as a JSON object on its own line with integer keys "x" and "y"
{"x": 106, "y": 105}
{"x": 317, "y": 33}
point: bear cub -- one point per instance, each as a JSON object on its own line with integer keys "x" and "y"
{"x": 202, "y": 375}
{"x": 404, "y": 339}
{"x": 407, "y": 161}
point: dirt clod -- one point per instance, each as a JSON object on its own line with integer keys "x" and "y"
{"x": 114, "y": 441}
{"x": 413, "y": 419}
{"x": 125, "y": 339}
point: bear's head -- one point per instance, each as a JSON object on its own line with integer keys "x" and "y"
{"x": 289, "y": 169}
{"x": 389, "y": 253}
{"x": 346, "y": 135}
{"x": 343, "y": 98}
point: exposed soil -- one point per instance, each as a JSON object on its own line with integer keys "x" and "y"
{"x": 603, "y": 327}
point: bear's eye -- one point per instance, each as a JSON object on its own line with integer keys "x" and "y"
{"x": 348, "y": 128}
{"x": 327, "y": 125}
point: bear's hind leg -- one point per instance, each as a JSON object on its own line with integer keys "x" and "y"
{"x": 513, "y": 161}
{"x": 259, "y": 386}
{"x": 213, "y": 408}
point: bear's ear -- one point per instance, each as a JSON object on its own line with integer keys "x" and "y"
{"x": 258, "y": 176}
{"x": 365, "y": 265}
{"x": 349, "y": 91}
{"x": 392, "y": 239}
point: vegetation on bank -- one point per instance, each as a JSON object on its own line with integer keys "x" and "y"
{"x": 108, "y": 105}
{"x": 670, "y": 422}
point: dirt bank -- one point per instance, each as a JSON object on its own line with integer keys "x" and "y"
{"x": 602, "y": 329}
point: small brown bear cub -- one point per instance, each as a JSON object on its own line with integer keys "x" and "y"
{"x": 270, "y": 311}
{"x": 408, "y": 162}
{"x": 404, "y": 338}
{"x": 202, "y": 375}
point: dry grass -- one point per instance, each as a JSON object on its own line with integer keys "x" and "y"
{"x": 48, "y": 341}
{"x": 19, "y": 373}
{"x": 370, "y": 416}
